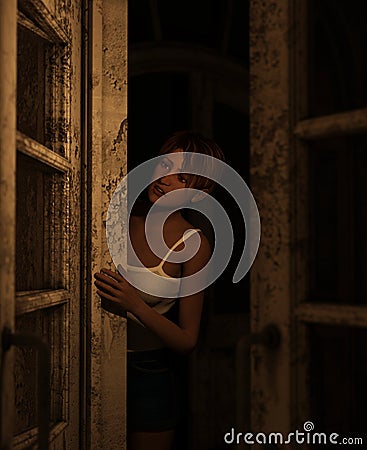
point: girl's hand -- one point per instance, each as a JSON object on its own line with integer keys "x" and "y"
{"x": 113, "y": 287}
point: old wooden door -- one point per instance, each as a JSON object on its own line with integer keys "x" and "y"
{"x": 43, "y": 277}
{"x": 308, "y": 110}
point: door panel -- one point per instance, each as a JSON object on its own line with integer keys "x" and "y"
{"x": 337, "y": 170}
{"x": 338, "y": 370}
{"x": 335, "y": 57}
{"x": 39, "y": 249}
{"x": 49, "y": 323}
{"x": 47, "y": 301}
{"x": 308, "y": 175}
{"x": 334, "y": 294}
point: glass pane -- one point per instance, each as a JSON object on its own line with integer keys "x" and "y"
{"x": 31, "y": 86}
{"x": 338, "y": 374}
{"x": 338, "y": 205}
{"x": 337, "y": 56}
{"x": 39, "y": 226}
{"x": 47, "y": 323}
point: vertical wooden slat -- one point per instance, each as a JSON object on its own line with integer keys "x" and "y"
{"x": 8, "y": 15}
{"x": 270, "y": 180}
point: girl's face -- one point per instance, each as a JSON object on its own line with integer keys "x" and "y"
{"x": 166, "y": 181}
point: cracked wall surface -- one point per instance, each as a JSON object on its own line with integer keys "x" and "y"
{"x": 109, "y": 140}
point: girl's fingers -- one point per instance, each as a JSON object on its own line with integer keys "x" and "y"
{"x": 114, "y": 275}
{"x": 108, "y": 280}
{"x": 107, "y": 287}
{"x": 106, "y": 296}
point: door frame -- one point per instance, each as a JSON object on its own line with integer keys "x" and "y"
{"x": 271, "y": 178}
{"x": 8, "y": 70}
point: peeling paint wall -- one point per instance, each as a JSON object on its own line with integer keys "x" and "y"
{"x": 109, "y": 138}
{"x": 114, "y": 140}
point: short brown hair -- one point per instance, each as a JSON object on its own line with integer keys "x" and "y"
{"x": 194, "y": 142}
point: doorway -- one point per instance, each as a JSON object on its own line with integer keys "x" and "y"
{"x": 195, "y": 76}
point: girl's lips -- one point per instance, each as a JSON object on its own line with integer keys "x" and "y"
{"x": 158, "y": 190}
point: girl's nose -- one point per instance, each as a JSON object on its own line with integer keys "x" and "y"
{"x": 166, "y": 180}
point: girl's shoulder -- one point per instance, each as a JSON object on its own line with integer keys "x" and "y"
{"x": 181, "y": 227}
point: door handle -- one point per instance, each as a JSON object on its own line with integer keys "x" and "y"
{"x": 270, "y": 337}
{"x": 43, "y": 377}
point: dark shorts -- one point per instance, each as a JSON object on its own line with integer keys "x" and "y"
{"x": 152, "y": 391}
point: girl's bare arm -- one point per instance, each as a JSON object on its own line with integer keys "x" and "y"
{"x": 182, "y": 337}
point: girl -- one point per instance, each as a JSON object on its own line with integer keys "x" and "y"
{"x": 161, "y": 330}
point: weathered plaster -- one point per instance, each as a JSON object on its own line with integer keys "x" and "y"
{"x": 114, "y": 141}
{"x": 109, "y": 103}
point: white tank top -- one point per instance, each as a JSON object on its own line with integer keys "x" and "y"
{"x": 168, "y": 288}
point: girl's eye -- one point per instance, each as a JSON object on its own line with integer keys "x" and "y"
{"x": 182, "y": 179}
{"x": 164, "y": 165}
